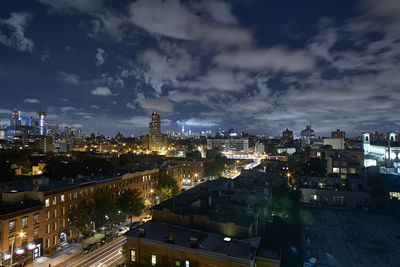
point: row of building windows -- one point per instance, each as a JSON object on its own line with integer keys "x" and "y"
{"x": 153, "y": 260}
{"x": 86, "y": 191}
{"x": 24, "y": 222}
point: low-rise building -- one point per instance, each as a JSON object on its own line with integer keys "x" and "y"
{"x": 47, "y": 219}
{"x": 332, "y": 190}
{"x": 217, "y": 223}
{"x": 162, "y": 244}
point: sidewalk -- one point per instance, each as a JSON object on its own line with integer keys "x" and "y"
{"x": 65, "y": 254}
{"x": 74, "y": 249}
{"x": 57, "y": 258}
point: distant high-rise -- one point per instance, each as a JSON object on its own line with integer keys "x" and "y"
{"x": 338, "y": 134}
{"x": 287, "y": 137}
{"x": 15, "y": 115}
{"x": 306, "y": 136}
{"x": 155, "y": 138}
{"x": 42, "y": 123}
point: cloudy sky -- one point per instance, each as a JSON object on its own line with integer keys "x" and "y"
{"x": 258, "y": 66}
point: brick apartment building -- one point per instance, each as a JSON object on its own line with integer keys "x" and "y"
{"x": 39, "y": 207}
{"x": 217, "y": 223}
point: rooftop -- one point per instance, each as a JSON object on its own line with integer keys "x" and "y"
{"x": 351, "y": 238}
{"x": 8, "y": 210}
{"x": 160, "y": 231}
{"x": 222, "y": 200}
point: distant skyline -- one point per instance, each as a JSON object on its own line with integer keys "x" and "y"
{"x": 256, "y": 66}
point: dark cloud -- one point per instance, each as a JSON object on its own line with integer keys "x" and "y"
{"x": 206, "y": 64}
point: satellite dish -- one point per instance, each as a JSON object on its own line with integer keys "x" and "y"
{"x": 313, "y": 260}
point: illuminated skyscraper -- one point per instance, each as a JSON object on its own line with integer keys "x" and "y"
{"x": 15, "y": 115}
{"x": 42, "y": 123}
{"x": 155, "y": 138}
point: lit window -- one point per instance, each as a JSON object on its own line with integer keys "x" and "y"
{"x": 54, "y": 200}
{"x": 62, "y": 198}
{"x": 187, "y": 263}
{"x": 153, "y": 259}
{"x": 36, "y": 233}
{"x": 24, "y": 222}
{"x": 75, "y": 194}
{"x": 133, "y": 255}
{"x": 335, "y": 170}
{"x": 177, "y": 263}
{"x": 12, "y": 226}
{"x": 47, "y": 202}
{"x": 36, "y": 218}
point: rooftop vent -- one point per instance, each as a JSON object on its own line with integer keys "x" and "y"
{"x": 227, "y": 239}
{"x": 194, "y": 242}
{"x": 142, "y": 232}
{"x": 170, "y": 239}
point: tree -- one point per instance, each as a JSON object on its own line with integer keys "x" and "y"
{"x": 216, "y": 166}
{"x": 105, "y": 209}
{"x": 167, "y": 187}
{"x": 79, "y": 219}
{"x": 131, "y": 203}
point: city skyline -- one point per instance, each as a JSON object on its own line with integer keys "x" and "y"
{"x": 205, "y": 65}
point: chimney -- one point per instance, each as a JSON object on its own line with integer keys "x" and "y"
{"x": 142, "y": 232}
{"x": 194, "y": 242}
{"x": 170, "y": 239}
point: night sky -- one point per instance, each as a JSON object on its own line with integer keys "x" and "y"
{"x": 258, "y": 66}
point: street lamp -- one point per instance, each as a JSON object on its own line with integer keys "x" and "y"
{"x": 105, "y": 228}
{"x": 12, "y": 245}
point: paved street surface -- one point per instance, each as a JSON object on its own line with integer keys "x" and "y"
{"x": 105, "y": 256}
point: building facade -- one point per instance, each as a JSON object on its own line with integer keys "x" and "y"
{"x": 382, "y": 153}
{"x": 232, "y": 146}
{"x": 45, "y": 224}
{"x": 155, "y": 140}
{"x": 307, "y": 135}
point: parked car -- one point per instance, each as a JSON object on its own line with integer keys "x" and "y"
{"x": 147, "y": 218}
{"x": 89, "y": 248}
{"x": 122, "y": 230}
{"x": 135, "y": 225}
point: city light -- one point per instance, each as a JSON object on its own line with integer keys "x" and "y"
{"x": 199, "y": 133}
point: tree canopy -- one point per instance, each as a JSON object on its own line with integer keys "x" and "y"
{"x": 79, "y": 219}
{"x": 166, "y": 188}
{"x": 131, "y": 203}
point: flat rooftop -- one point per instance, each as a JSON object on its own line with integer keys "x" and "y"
{"x": 158, "y": 231}
{"x": 351, "y": 238}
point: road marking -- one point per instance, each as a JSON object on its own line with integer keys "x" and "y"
{"x": 95, "y": 254}
{"x": 114, "y": 260}
{"x": 101, "y": 256}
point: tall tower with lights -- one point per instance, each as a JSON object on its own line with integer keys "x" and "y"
{"x": 155, "y": 138}
{"x": 42, "y": 123}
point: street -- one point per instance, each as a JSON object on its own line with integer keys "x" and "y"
{"x": 107, "y": 255}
